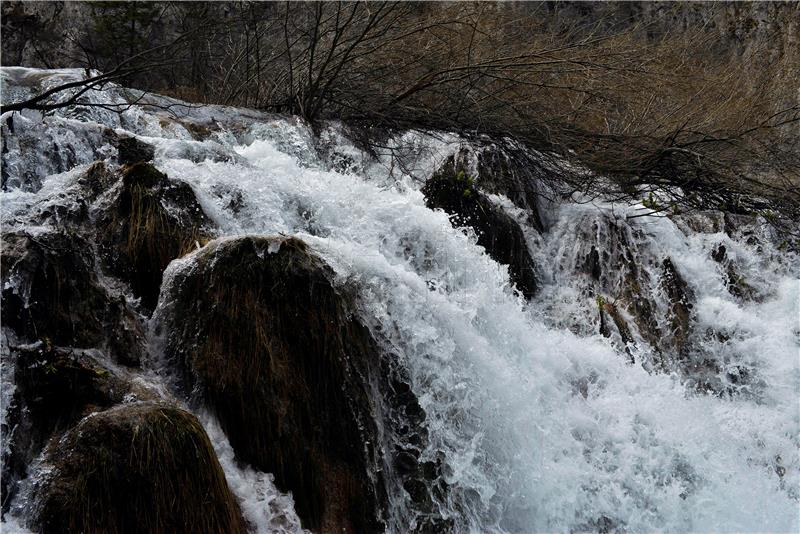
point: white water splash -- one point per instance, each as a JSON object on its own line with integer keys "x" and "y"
{"x": 266, "y": 509}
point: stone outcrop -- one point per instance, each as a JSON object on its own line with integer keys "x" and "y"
{"x": 54, "y": 388}
{"x": 137, "y": 468}
{"x": 515, "y": 174}
{"x": 152, "y": 221}
{"x": 260, "y": 336}
{"x": 453, "y": 190}
{"x": 52, "y": 292}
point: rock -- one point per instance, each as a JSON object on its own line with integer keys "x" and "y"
{"x": 152, "y": 221}
{"x": 680, "y": 302}
{"x": 54, "y": 388}
{"x": 138, "y": 468}
{"x": 734, "y": 282}
{"x": 131, "y": 150}
{"x": 52, "y": 292}
{"x": 453, "y": 190}
{"x": 515, "y": 174}
{"x": 609, "y": 310}
{"x": 260, "y": 337}
{"x": 593, "y": 265}
{"x": 97, "y": 179}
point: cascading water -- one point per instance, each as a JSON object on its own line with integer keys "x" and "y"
{"x": 540, "y": 422}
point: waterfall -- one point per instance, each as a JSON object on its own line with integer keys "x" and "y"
{"x": 541, "y": 423}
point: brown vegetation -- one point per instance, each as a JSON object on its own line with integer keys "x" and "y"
{"x": 683, "y": 107}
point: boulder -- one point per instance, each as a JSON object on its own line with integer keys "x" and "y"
{"x": 131, "y": 150}
{"x": 137, "y": 468}
{"x": 51, "y": 291}
{"x": 453, "y": 190}
{"x": 152, "y": 221}
{"x": 54, "y": 388}
{"x": 260, "y": 337}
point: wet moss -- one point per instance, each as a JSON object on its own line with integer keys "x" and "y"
{"x": 51, "y": 290}
{"x": 139, "y": 468}
{"x": 453, "y": 190}
{"x": 54, "y": 388}
{"x": 153, "y": 222}
{"x": 262, "y": 339}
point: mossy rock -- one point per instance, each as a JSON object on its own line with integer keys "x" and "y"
{"x": 51, "y": 290}
{"x": 137, "y": 468}
{"x": 153, "y": 221}
{"x": 131, "y": 150}
{"x": 54, "y": 388}
{"x": 452, "y": 189}
{"x": 515, "y": 174}
{"x": 97, "y": 179}
{"x": 261, "y": 337}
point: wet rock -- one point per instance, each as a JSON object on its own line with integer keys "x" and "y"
{"x": 259, "y": 335}
{"x": 406, "y": 436}
{"x": 51, "y": 291}
{"x": 734, "y": 282}
{"x": 719, "y": 254}
{"x": 152, "y": 221}
{"x": 54, "y": 388}
{"x": 132, "y": 150}
{"x": 139, "y": 468}
{"x": 97, "y": 179}
{"x": 619, "y": 273}
{"x": 515, "y": 174}
{"x": 453, "y": 190}
{"x": 680, "y": 302}
{"x": 593, "y": 265}
{"x": 608, "y": 310}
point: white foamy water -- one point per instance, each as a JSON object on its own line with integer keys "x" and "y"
{"x": 540, "y": 422}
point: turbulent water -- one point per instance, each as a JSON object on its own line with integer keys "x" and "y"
{"x": 541, "y": 423}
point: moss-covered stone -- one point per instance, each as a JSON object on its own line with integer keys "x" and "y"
{"x": 515, "y": 174}
{"x": 138, "y": 468}
{"x": 54, "y": 388}
{"x": 453, "y": 190}
{"x": 153, "y": 221}
{"x": 131, "y": 150}
{"x": 51, "y": 291}
{"x": 262, "y": 338}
